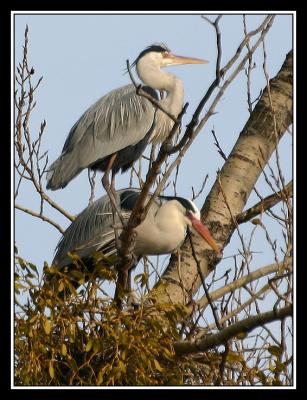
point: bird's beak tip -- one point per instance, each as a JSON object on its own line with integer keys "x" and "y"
{"x": 203, "y": 231}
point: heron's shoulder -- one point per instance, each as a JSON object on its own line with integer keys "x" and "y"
{"x": 121, "y": 94}
{"x": 128, "y": 198}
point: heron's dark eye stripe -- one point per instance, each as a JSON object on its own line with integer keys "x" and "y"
{"x": 184, "y": 202}
{"x": 154, "y": 47}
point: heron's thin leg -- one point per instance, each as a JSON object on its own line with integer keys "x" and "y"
{"x": 114, "y": 191}
{"x": 113, "y": 202}
{"x": 113, "y": 182}
{"x": 105, "y": 178}
{"x": 111, "y": 189}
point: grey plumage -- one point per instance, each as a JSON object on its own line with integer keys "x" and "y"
{"x": 116, "y": 121}
{"x": 91, "y": 231}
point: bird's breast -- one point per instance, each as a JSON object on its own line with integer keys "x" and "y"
{"x": 153, "y": 241}
{"x": 162, "y": 128}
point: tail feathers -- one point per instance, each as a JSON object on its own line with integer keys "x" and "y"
{"x": 62, "y": 171}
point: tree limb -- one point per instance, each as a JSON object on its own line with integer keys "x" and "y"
{"x": 232, "y": 313}
{"x": 259, "y": 273}
{"x": 265, "y": 204}
{"x": 40, "y": 216}
{"x": 244, "y": 326}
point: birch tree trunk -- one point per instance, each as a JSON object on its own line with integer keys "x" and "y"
{"x": 252, "y": 151}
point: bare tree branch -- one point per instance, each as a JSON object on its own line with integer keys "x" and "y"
{"x": 260, "y": 272}
{"x": 236, "y": 311}
{"x": 268, "y": 20}
{"x": 220, "y": 338}
{"x": 40, "y": 216}
{"x": 31, "y": 165}
{"x": 193, "y": 129}
{"x": 265, "y": 204}
{"x": 249, "y": 69}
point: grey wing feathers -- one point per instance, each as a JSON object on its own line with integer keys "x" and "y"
{"x": 87, "y": 233}
{"x": 91, "y": 230}
{"x": 119, "y": 119}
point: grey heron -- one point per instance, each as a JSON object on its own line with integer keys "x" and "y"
{"x": 113, "y": 133}
{"x": 162, "y": 231}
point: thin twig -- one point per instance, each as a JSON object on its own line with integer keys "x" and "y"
{"x": 195, "y": 196}
{"x": 249, "y": 69}
{"x": 265, "y": 204}
{"x": 24, "y": 145}
{"x": 40, "y": 216}
{"x": 244, "y": 326}
{"x": 213, "y": 308}
{"x": 142, "y": 93}
{"x": 217, "y": 144}
{"x": 236, "y": 284}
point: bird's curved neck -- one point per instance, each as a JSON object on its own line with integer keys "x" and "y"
{"x": 154, "y": 77}
{"x": 173, "y": 102}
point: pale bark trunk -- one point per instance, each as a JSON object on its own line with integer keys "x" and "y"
{"x": 238, "y": 176}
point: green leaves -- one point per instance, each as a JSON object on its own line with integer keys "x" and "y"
{"x": 275, "y": 350}
{"x": 47, "y": 326}
{"x": 51, "y": 370}
{"x": 64, "y": 349}
{"x": 89, "y": 346}
{"x": 142, "y": 279}
{"x": 157, "y": 365}
{"x": 234, "y": 357}
{"x": 84, "y": 340}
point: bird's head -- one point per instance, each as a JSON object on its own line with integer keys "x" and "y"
{"x": 159, "y": 55}
{"x": 150, "y": 61}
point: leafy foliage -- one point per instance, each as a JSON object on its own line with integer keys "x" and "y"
{"x": 69, "y": 337}
{"x": 79, "y": 339}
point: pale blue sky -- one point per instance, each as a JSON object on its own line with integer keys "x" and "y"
{"x": 82, "y": 57}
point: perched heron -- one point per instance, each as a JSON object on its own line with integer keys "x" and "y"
{"x": 113, "y": 133}
{"x": 162, "y": 231}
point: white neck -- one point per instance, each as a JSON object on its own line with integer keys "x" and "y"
{"x": 149, "y": 71}
{"x": 153, "y": 76}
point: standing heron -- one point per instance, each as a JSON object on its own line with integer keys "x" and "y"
{"x": 162, "y": 231}
{"x": 113, "y": 133}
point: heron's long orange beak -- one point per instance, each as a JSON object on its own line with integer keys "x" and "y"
{"x": 172, "y": 59}
{"x": 203, "y": 231}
